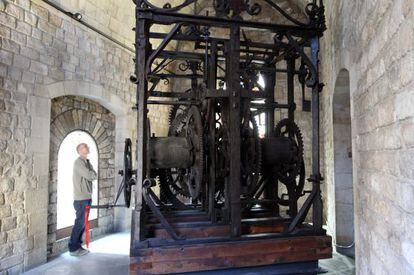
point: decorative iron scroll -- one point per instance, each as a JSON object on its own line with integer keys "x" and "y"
{"x": 235, "y": 8}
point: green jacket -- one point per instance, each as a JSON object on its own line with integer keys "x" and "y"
{"x": 83, "y": 175}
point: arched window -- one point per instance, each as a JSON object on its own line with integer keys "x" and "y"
{"x": 66, "y": 156}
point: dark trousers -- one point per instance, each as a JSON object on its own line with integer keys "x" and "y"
{"x": 75, "y": 241}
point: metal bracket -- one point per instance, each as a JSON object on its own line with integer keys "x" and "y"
{"x": 149, "y": 197}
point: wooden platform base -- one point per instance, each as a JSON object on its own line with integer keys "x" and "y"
{"x": 230, "y": 254}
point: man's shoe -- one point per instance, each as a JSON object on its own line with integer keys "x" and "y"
{"x": 79, "y": 252}
{"x": 81, "y": 248}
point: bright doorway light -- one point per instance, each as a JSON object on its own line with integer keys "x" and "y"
{"x": 66, "y": 156}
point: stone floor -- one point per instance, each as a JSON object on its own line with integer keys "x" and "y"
{"x": 109, "y": 255}
{"x": 338, "y": 265}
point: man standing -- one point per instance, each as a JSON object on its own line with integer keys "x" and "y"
{"x": 83, "y": 175}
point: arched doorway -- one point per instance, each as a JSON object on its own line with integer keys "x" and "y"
{"x": 343, "y": 175}
{"x": 66, "y": 156}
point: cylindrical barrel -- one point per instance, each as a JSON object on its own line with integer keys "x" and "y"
{"x": 170, "y": 152}
{"x": 277, "y": 150}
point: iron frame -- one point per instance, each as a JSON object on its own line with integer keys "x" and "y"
{"x": 216, "y": 59}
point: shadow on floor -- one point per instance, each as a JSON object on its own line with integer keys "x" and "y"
{"x": 110, "y": 256}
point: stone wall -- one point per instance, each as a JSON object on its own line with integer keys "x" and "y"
{"x": 374, "y": 41}
{"x": 343, "y": 180}
{"x": 44, "y": 55}
{"x": 114, "y": 18}
{"x": 68, "y": 114}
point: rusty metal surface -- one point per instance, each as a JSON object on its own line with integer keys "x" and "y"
{"x": 213, "y": 161}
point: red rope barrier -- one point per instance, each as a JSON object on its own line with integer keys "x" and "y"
{"x": 87, "y": 225}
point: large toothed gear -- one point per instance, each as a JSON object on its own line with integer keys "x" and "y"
{"x": 186, "y": 122}
{"x": 251, "y": 153}
{"x": 291, "y": 173}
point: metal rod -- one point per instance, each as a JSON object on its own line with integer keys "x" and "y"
{"x": 161, "y": 102}
{"x": 163, "y": 17}
{"x": 78, "y": 17}
{"x": 316, "y": 175}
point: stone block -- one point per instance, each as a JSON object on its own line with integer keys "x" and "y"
{"x": 33, "y": 54}
{"x": 37, "y": 223}
{"x": 40, "y": 126}
{"x": 37, "y": 34}
{"x": 40, "y": 106}
{"x": 41, "y": 164}
{"x": 24, "y": 28}
{"x": 28, "y": 77}
{"x": 3, "y": 238}
{"x": 16, "y": 234}
{"x": 39, "y": 11}
{"x": 39, "y": 68}
{"x": 10, "y": 45}
{"x": 21, "y": 62}
{"x": 5, "y": 211}
{"x": 35, "y": 257}
{"x": 18, "y": 37}
{"x": 8, "y": 223}
{"x": 40, "y": 239}
{"x": 406, "y": 159}
{"x": 55, "y": 20}
{"x": 36, "y": 200}
{"x": 8, "y": 20}
{"x": 6, "y": 57}
{"x": 9, "y": 262}
{"x": 15, "y": 270}
{"x": 5, "y": 133}
{"x": 7, "y": 184}
{"x": 23, "y": 121}
{"x": 23, "y": 245}
{"x": 23, "y": 3}
{"x": 30, "y": 18}
{"x": 404, "y": 103}
{"x": 46, "y": 27}
{"x": 14, "y": 11}
{"x": 38, "y": 144}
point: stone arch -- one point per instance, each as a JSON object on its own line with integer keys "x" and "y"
{"x": 343, "y": 165}
{"x": 110, "y": 101}
{"x": 68, "y": 115}
{"x": 78, "y": 119}
{"x": 39, "y": 106}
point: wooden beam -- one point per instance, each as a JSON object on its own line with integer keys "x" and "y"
{"x": 231, "y": 255}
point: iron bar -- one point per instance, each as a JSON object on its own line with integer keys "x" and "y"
{"x": 78, "y": 17}
{"x": 233, "y": 80}
{"x": 142, "y": 50}
{"x": 167, "y": 18}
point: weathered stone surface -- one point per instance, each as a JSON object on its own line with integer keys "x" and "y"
{"x": 6, "y": 57}
{"x": 30, "y": 18}
{"x": 21, "y": 62}
{"x": 7, "y": 185}
{"x": 374, "y": 42}
{"x": 35, "y": 200}
{"x": 8, "y": 224}
{"x": 14, "y": 11}
{"x": 69, "y": 113}
{"x": 37, "y": 67}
